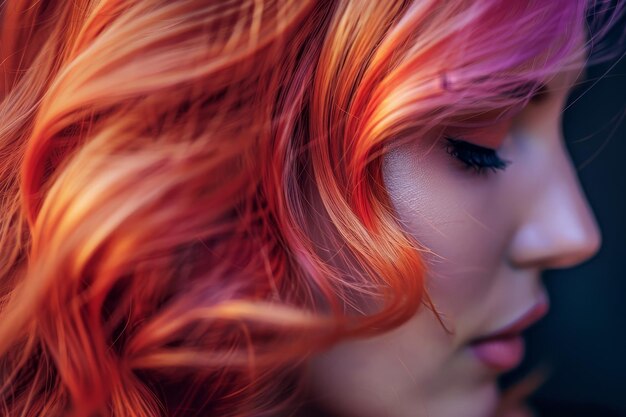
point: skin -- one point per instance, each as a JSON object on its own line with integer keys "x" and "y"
{"x": 494, "y": 234}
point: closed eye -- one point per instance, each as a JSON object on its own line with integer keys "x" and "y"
{"x": 474, "y": 157}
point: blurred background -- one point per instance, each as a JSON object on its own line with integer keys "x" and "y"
{"x": 583, "y": 339}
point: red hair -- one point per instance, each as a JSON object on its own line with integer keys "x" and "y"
{"x": 159, "y": 160}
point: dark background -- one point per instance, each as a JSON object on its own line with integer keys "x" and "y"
{"x": 583, "y": 338}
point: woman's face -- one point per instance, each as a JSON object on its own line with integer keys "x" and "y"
{"x": 493, "y": 233}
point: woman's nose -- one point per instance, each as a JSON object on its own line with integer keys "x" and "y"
{"x": 559, "y": 229}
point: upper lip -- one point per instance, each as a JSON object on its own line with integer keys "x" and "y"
{"x": 531, "y": 316}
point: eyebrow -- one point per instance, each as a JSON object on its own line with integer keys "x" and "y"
{"x": 533, "y": 90}
{"x": 540, "y": 93}
{"x": 541, "y": 89}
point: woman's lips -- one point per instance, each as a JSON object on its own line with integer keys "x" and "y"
{"x": 503, "y": 350}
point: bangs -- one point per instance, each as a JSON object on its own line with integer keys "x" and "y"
{"x": 487, "y": 55}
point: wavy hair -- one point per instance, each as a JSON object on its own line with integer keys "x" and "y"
{"x": 159, "y": 166}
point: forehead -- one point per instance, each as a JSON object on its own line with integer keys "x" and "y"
{"x": 568, "y": 78}
{"x": 488, "y": 128}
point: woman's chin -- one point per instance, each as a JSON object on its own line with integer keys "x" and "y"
{"x": 478, "y": 401}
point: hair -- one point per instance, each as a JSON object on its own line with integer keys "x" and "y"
{"x": 159, "y": 166}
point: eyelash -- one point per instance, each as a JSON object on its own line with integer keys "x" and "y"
{"x": 475, "y": 157}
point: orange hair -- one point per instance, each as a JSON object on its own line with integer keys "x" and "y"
{"x": 159, "y": 160}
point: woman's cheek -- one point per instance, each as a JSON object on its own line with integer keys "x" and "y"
{"x": 449, "y": 211}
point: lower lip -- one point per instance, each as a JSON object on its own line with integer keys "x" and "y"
{"x": 502, "y": 353}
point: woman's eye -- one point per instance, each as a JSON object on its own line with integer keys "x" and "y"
{"x": 475, "y": 157}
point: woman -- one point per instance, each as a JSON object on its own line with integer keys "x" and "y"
{"x": 282, "y": 208}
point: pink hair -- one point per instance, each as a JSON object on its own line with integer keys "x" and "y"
{"x": 158, "y": 163}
